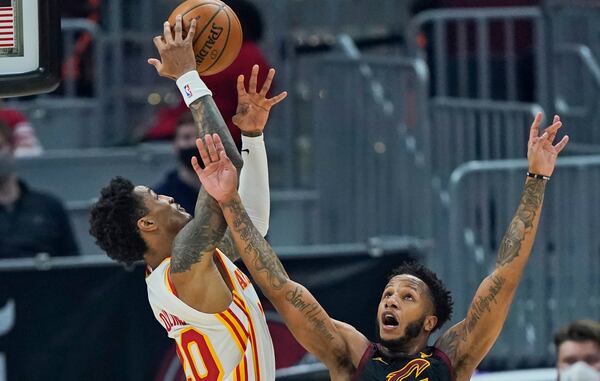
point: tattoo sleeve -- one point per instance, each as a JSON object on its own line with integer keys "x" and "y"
{"x": 522, "y": 223}
{"x": 203, "y": 233}
{"x": 264, "y": 258}
{"x": 209, "y": 121}
{"x": 470, "y": 340}
{"x": 302, "y": 313}
{"x": 200, "y": 235}
{"x": 227, "y": 246}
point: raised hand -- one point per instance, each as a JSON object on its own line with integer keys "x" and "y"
{"x": 253, "y": 108}
{"x": 219, "y": 176}
{"x": 176, "y": 53}
{"x": 541, "y": 152}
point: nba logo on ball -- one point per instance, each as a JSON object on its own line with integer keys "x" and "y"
{"x": 188, "y": 90}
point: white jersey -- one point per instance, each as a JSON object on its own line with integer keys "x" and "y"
{"x": 231, "y": 345}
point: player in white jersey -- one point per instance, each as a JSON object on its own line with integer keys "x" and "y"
{"x": 232, "y": 342}
{"x": 197, "y": 294}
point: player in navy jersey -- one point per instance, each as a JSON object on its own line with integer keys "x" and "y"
{"x": 414, "y": 303}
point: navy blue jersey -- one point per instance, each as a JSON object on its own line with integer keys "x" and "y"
{"x": 429, "y": 365}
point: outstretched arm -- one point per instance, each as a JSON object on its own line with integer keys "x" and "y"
{"x": 192, "y": 267}
{"x": 469, "y": 341}
{"x": 303, "y": 315}
{"x": 251, "y": 118}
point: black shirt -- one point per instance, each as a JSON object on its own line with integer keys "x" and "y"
{"x": 36, "y": 223}
{"x": 431, "y": 364}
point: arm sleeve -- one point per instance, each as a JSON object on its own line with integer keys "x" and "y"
{"x": 254, "y": 182}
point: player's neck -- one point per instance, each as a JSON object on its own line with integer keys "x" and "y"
{"x": 415, "y": 346}
{"x": 9, "y": 190}
{"x": 154, "y": 260}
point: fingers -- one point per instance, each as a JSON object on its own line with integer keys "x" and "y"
{"x": 203, "y": 151}
{"x": 191, "y": 32}
{"x": 268, "y": 82}
{"x": 212, "y": 150}
{"x": 253, "y": 80}
{"x": 196, "y": 165}
{"x": 276, "y": 99}
{"x": 167, "y": 33}
{"x": 534, "y": 132}
{"x": 159, "y": 42}
{"x": 155, "y": 62}
{"x": 178, "y": 29}
{"x": 241, "y": 89}
{"x": 562, "y": 144}
{"x": 552, "y": 130}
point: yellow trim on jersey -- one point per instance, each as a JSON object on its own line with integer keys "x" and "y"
{"x": 238, "y": 333}
{"x": 252, "y": 332}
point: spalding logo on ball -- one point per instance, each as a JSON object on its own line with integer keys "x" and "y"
{"x": 218, "y": 33}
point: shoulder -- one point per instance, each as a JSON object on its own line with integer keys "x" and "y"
{"x": 357, "y": 343}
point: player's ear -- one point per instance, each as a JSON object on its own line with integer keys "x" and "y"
{"x": 147, "y": 224}
{"x": 430, "y": 323}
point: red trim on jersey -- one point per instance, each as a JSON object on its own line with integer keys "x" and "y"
{"x": 224, "y": 266}
{"x": 442, "y": 356}
{"x": 238, "y": 321}
{"x": 363, "y": 361}
{"x": 171, "y": 285}
{"x": 241, "y": 340}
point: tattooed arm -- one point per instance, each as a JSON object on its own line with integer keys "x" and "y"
{"x": 303, "y": 315}
{"x": 193, "y": 271}
{"x": 469, "y": 341}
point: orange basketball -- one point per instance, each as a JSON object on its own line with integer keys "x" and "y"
{"x": 218, "y": 33}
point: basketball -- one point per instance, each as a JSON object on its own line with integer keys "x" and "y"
{"x": 218, "y": 33}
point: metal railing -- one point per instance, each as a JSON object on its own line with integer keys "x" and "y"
{"x": 475, "y": 52}
{"x": 562, "y": 280}
{"x": 369, "y": 172}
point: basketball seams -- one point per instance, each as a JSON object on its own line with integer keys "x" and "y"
{"x": 198, "y": 34}
{"x": 224, "y": 44}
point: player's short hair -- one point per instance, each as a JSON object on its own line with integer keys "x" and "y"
{"x": 442, "y": 298}
{"x": 6, "y": 132}
{"x": 579, "y": 330}
{"x": 114, "y": 219}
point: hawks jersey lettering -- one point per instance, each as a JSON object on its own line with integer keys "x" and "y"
{"x": 429, "y": 365}
{"x": 233, "y": 345}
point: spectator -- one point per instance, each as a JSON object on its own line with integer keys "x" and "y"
{"x": 182, "y": 183}
{"x": 26, "y": 142}
{"x": 31, "y": 222}
{"x": 578, "y": 351}
{"x": 223, "y": 84}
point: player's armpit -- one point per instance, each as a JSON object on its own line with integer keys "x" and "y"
{"x": 228, "y": 248}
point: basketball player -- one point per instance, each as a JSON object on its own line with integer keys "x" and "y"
{"x": 197, "y": 294}
{"x": 413, "y": 304}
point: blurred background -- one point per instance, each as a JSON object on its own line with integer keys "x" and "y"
{"x": 404, "y": 137}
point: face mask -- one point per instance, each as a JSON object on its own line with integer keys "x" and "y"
{"x": 185, "y": 157}
{"x": 7, "y": 164}
{"x": 580, "y": 371}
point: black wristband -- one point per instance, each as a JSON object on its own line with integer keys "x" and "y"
{"x": 536, "y": 176}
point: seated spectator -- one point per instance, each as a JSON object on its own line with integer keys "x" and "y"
{"x": 182, "y": 182}
{"x": 26, "y": 142}
{"x": 31, "y": 222}
{"x": 223, "y": 84}
{"x": 578, "y": 351}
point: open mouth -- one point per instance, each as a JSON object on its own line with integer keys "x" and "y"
{"x": 389, "y": 320}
